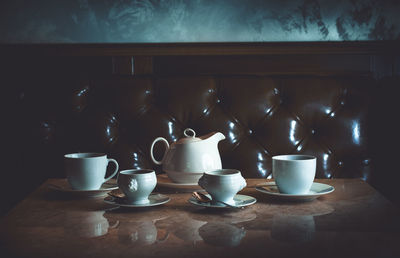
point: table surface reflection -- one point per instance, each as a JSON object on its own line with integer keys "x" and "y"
{"x": 353, "y": 221}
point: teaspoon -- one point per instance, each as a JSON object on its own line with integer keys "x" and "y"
{"x": 204, "y": 198}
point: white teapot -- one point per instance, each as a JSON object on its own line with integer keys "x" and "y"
{"x": 186, "y": 160}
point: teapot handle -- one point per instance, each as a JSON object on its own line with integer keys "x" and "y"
{"x": 152, "y": 146}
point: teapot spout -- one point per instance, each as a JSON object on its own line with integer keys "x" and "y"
{"x": 219, "y": 136}
{"x": 215, "y": 137}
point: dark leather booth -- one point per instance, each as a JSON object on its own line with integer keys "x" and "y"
{"x": 267, "y": 99}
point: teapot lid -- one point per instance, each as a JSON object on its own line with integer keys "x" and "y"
{"x": 190, "y": 136}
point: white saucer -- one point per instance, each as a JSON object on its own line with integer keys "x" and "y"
{"x": 317, "y": 190}
{"x": 62, "y": 185}
{"x": 154, "y": 198}
{"x": 164, "y": 181}
{"x": 240, "y": 201}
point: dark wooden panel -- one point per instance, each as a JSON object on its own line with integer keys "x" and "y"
{"x": 65, "y": 66}
{"x": 143, "y": 65}
{"x": 242, "y": 48}
{"x": 122, "y": 65}
{"x": 264, "y": 65}
{"x": 379, "y": 58}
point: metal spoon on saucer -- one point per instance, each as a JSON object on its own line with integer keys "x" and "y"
{"x": 117, "y": 195}
{"x": 204, "y": 198}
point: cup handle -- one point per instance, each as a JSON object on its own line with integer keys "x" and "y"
{"x": 202, "y": 182}
{"x": 116, "y": 169}
{"x": 244, "y": 183}
{"x": 152, "y": 146}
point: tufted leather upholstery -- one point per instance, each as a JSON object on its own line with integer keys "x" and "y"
{"x": 260, "y": 116}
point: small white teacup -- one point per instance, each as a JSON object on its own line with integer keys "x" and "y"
{"x": 294, "y": 174}
{"x": 137, "y": 184}
{"x": 86, "y": 171}
{"x": 222, "y": 185}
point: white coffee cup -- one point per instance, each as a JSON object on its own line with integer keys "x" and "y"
{"x": 222, "y": 184}
{"x": 294, "y": 174}
{"x": 137, "y": 184}
{"x": 86, "y": 171}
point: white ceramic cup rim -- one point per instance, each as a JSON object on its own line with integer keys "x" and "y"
{"x": 84, "y": 155}
{"x": 225, "y": 172}
{"x": 130, "y": 172}
{"x": 293, "y": 158}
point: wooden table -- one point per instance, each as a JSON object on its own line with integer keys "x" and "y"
{"x": 353, "y": 221}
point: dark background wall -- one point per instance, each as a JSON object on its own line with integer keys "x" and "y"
{"x": 103, "y": 21}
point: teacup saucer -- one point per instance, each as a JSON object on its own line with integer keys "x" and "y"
{"x": 164, "y": 181}
{"x": 154, "y": 198}
{"x": 317, "y": 190}
{"x": 240, "y": 201}
{"x": 62, "y": 185}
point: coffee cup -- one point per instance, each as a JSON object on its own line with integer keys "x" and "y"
{"x": 86, "y": 171}
{"x": 137, "y": 184}
{"x": 294, "y": 174}
{"x": 222, "y": 185}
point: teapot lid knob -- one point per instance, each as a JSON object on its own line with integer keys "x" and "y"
{"x": 190, "y": 136}
{"x": 189, "y": 132}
